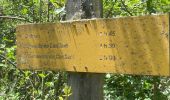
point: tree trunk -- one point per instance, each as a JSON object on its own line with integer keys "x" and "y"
{"x": 85, "y": 86}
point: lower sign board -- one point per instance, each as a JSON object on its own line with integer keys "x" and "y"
{"x": 127, "y": 45}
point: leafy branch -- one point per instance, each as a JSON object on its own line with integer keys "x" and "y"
{"x": 11, "y": 17}
{"x": 110, "y": 10}
{"x": 125, "y": 8}
{"x": 3, "y": 57}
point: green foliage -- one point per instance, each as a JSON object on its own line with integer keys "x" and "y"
{"x": 136, "y": 87}
{"x": 16, "y": 84}
{"x": 115, "y": 8}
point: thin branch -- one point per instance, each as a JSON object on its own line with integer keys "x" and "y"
{"x": 110, "y": 10}
{"x": 3, "y": 57}
{"x": 40, "y": 11}
{"x": 10, "y": 17}
{"x": 59, "y": 84}
{"x": 48, "y": 11}
{"x": 59, "y": 4}
{"x": 17, "y": 18}
{"x": 126, "y": 8}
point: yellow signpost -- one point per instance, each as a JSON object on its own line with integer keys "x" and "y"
{"x": 127, "y": 45}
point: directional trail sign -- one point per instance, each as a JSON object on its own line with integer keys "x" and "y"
{"x": 126, "y": 45}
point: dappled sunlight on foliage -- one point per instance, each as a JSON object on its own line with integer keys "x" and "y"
{"x": 16, "y": 84}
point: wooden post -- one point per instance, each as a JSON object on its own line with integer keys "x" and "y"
{"x": 85, "y": 86}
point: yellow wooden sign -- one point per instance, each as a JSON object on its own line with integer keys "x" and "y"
{"x": 127, "y": 45}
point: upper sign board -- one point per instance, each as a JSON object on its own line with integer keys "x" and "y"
{"x": 127, "y": 45}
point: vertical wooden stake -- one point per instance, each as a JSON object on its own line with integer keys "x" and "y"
{"x": 85, "y": 86}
